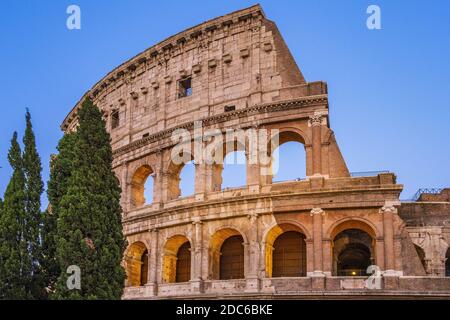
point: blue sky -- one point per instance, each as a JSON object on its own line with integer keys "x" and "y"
{"x": 389, "y": 89}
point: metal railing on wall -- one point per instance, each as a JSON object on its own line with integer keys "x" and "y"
{"x": 421, "y": 191}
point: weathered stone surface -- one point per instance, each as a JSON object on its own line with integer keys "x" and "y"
{"x": 242, "y": 75}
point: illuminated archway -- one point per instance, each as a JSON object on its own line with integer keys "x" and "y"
{"x": 285, "y": 251}
{"x": 177, "y": 260}
{"x": 136, "y": 260}
{"x": 142, "y": 186}
{"x": 289, "y": 256}
{"x": 232, "y": 258}
{"x": 183, "y": 272}
{"x": 353, "y": 252}
{"x": 227, "y": 254}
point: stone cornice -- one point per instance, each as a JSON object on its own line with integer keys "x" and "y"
{"x": 259, "y": 109}
{"x": 270, "y": 197}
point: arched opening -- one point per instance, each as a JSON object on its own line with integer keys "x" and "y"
{"x": 353, "y": 260}
{"x": 231, "y": 251}
{"x": 353, "y": 252}
{"x": 421, "y": 254}
{"x": 181, "y": 178}
{"x": 142, "y": 186}
{"x": 177, "y": 260}
{"x": 184, "y": 263}
{"x": 447, "y": 263}
{"x": 288, "y": 157}
{"x": 232, "y": 258}
{"x": 289, "y": 162}
{"x": 285, "y": 251}
{"x": 229, "y": 163}
{"x": 289, "y": 255}
{"x": 234, "y": 172}
{"x": 136, "y": 260}
{"x": 148, "y": 190}
{"x": 187, "y": 179}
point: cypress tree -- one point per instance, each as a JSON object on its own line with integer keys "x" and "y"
{"x": 15, "y": 262}
{"x": 34, "y": 187}
{"x": 89, "y": 229}
{"x": 60, "y": 170}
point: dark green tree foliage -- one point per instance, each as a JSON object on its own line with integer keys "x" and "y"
{"x": 89, "y": 224}
{"x": 34, "y": 187}
{"x": 60, "y": 171}
{"x": 15, "y": 261}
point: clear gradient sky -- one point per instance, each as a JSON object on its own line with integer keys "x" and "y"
{"x": 389, "y": 89}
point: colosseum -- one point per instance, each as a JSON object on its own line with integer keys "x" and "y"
{"x": 305, "y": 238}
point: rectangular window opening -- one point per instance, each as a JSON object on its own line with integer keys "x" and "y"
{"x": 115, "y": 119}
{"x": 185, "y": 87}
{"x": 229, "y": 108}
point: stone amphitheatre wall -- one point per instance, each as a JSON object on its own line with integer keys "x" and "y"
{"x": 236, "y": 72}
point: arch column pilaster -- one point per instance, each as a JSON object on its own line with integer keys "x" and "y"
{"x": 318, "y": 275}
{"x": 316, "y": 122}
{"x": 252, "y": 251}
{"x": 197, "y": 257}
{"x": 152, "y": 283}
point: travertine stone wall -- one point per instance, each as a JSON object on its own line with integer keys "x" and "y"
{"x": 428, "y": 224}
{"x": 243, "y": 76}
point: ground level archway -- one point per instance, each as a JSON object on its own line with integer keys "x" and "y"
{"x": 136, "y": 260}
{"x": 232, "y": 258}
{"x": 177, "y": 260}
{"x": 353, "y": 252}
{"x": 285, "y": 251}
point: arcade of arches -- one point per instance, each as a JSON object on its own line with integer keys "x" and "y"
{"x": 234, "y": 172}
{"x": 286, "y": 246}
{"x": 312, "y": 227}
